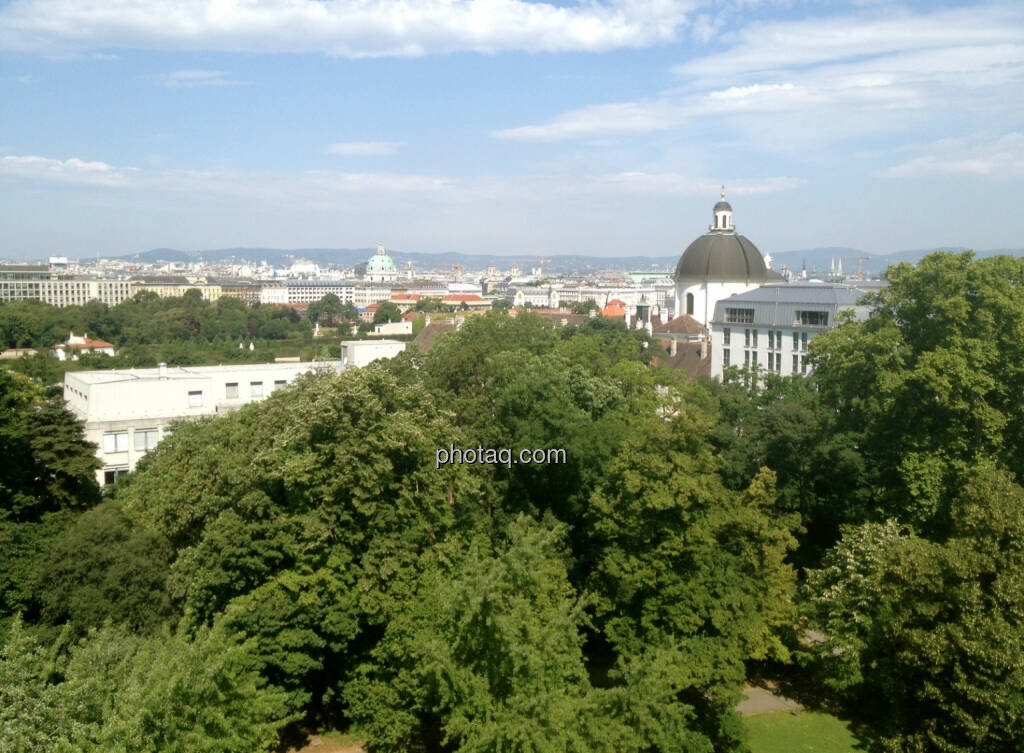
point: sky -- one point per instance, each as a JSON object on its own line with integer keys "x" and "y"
{"x": 601, "y": 127}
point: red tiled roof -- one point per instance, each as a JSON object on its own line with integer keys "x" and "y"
{"x": 410, "y": 315}
{"x": 91, "y": 344}
{"x": 684, "y": 324}
{"x": 406, "y": 297}
{"x": 612, "y": 310}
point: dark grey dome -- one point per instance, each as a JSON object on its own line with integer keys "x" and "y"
{"x": 721, "y": 257}
{"x": 722, "y": 206}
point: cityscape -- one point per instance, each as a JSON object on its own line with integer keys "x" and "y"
{"x": 511, "y": 377}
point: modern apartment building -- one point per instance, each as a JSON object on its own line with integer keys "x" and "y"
{"x": 770, "y": 327}
{"x": 32, "y": 282}
{"x": 128, "y": 411}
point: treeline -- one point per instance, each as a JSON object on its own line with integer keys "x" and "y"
{"x": 146, "y": 319}
{"x": 303, "y": 562}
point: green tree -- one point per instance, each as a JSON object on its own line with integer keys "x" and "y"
{"x": 691, "y": 582}
{"x": 926, "y": 636}
{"x": 101, "y": 567}
{"x": 486, "y": 657}
{"x": 930, "y": 383}
{"x": 387, "y": 312}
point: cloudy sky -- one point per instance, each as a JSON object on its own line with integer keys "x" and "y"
{"x": 603, "y": 127}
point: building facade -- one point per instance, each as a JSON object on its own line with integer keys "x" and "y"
{"x": 128, "y": 411}
{"x": 357, "y": 353}
{"x": 769, "y": 328}
{"x": 31, "y": 282}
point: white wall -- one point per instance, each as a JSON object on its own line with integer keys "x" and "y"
{"x": 129, "y": 400}
{"x": 357, "y": 353}
{"x": 705, "y": 296}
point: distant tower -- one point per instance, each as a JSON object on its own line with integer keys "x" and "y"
{"x": 803, "y": 271}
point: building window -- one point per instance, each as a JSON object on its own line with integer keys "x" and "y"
{"x": 778, "y": 339}
{"x": 803, "y": 341}
{"x": 195, "y": 399}
{"x": 753, "y": 339}
{"x": 771, "y": 340}
{"x": 746, "y": 338}
{"x": 231, "y": 390}
{"x": 115, "y": 441}
{"x": 256, "y": 389}
{"x": 812, "y": 318}
{"x": 110, "y": 475}
{"x": 725, "y": 357}
{"x": 146, "y": 439}
{"x": 725, "y": 336}
{"x": 689, "y": 304}
{"x": 279, "y": 383}
{"x": 746, "y": 358}
{"x": 796, "y": 363}
{"x": 803, "y": 364}
{"x": 796, "y": 341}
{"x": 739, "y": 316}
{"x": 753, "y": 358}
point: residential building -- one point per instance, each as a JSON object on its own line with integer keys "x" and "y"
{"x": 769, "y": 328}
{"x": 128, "y": 411}
{"x": 77, "y": 345}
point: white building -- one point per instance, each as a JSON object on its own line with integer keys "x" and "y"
{"x": 20, "y": 282}
{"x": 127, "y": 411}
{"x": 769, "y": 328}
{"x": 393, "y": 328}
{"x": 718, "y": 264}
{"x": 311, "y": 291}
{"x": 361, "y": 352}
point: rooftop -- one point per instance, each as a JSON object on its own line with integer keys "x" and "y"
{"x": 107, "y": 376}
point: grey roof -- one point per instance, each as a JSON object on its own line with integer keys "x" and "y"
{"x": 778, "y": 304}
{"x": 722, "y": 205}
{"x": 721, "y": 256}
{"x": 807, "y": 292}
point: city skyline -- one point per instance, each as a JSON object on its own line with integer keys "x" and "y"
{"x": 508, "y": 127}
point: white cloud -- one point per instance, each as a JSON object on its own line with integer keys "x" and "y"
{"x": 194, "y": 79}
{"x": 365, "y": 148}
{"x": 766, "y": 47}
{"x": 326, "y": 188}
{"x": 823, "y": 80}
{"x": 71, "y": 170}
{"x": 601, "y": 120}
{"x": 1002, "y": 157}
{"x": 344, "y": 28}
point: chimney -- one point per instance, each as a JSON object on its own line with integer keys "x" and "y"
{"x": 163, "y": 370}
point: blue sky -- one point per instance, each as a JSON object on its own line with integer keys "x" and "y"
{"x": 507, "y": 126}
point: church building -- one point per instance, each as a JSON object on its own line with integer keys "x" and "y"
{"x": 718, "y": 264}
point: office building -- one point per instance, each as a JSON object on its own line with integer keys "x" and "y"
{"x": 128, "y": 411}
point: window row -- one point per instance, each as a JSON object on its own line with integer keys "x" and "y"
{"x": 750, "y": 339}
{"x": 231, "y": 392}
{"x": 117, "y": 441}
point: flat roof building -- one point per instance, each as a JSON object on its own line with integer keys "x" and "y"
{"x": 770, "y": 327}
{"x": 128, "y": 411}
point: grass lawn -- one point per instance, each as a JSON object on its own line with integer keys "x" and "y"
{"x": 810, "y": 732}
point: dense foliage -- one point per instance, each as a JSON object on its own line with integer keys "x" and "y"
{"x": 308, "y": 560}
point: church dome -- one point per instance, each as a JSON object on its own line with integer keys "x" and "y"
{"x": 381, "y": 264}
{"x": 722, "y": 255}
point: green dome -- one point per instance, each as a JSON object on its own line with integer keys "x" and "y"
{"x": 381, "y": 264}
